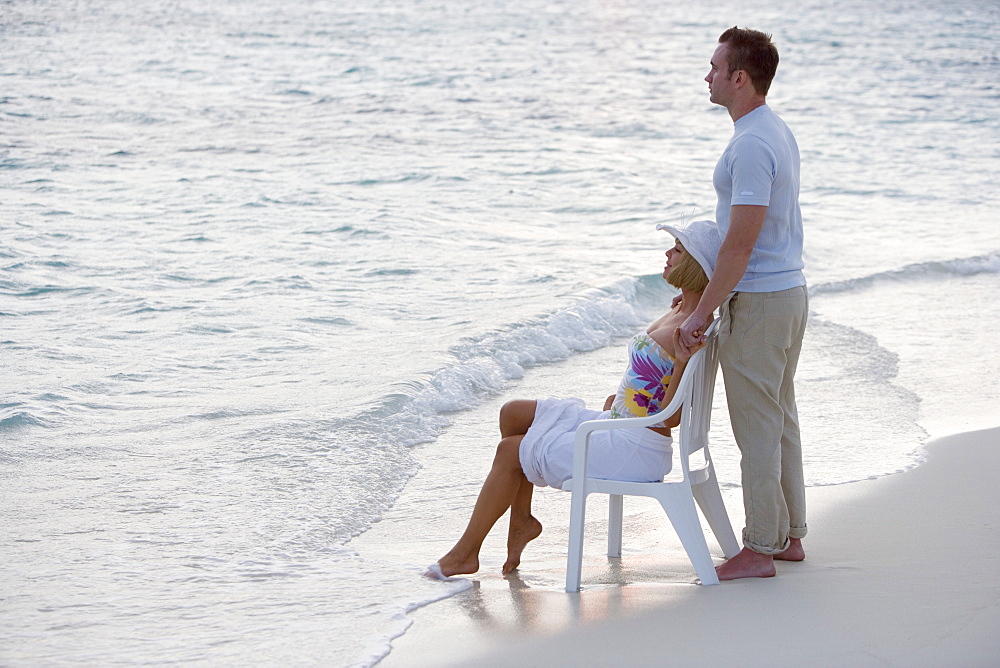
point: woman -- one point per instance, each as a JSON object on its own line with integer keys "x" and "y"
{"x": 536, "y": 447}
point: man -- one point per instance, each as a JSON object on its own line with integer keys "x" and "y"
{"x": 759, "y": 286}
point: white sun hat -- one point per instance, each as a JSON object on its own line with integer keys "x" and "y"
{"x": 701, "y": 239}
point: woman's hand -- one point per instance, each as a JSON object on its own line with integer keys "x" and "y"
{"x": 682, "y": 354}
{"x": 609, "y": 401}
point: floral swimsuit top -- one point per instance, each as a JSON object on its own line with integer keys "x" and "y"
{"x": 644, "y": 384}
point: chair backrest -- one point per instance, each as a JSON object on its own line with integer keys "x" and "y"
{"x": 696, "y": 416}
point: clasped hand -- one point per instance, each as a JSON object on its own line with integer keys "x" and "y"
{"x": 682, "y": 351}
{"x": 689, "y": 338}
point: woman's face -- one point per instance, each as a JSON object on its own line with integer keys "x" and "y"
{"x": 673, "y": 256}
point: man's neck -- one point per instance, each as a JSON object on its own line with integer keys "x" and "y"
{"x": 741, "y": 109}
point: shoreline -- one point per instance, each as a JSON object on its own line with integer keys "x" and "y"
{"x": 900, "y": 570}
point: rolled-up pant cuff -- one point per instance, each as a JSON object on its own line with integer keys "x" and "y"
{"x": 793, "y": 532}
{"x": 765, "y": 549}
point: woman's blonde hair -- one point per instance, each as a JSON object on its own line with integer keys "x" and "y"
{"x": 688, "y": 274}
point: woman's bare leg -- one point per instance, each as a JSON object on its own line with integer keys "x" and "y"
{"x": 524, "y": 527}
{"x": 505, "y": 487}
{"x": 515, "y": 418}
{"x": 498, "y": 493}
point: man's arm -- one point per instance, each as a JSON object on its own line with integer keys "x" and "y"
{"x": 745, "y": 223}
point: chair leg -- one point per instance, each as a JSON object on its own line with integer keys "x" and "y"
{"x": 684, "y": 517}
{"x": 709, "y": 499}
{"x": 615, "y": 512}
{"x": 574, "y": 553}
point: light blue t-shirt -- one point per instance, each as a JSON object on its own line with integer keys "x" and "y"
{"x": 760, "y": 167}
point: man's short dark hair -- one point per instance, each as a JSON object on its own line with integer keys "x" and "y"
{"x": 753, "y": 51}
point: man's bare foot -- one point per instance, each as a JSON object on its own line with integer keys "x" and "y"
{"x": 520, "y": 533}
{"x": 795, "y": 552}
{"x": 452, "y": 564}
{"x": 747, "y": 564}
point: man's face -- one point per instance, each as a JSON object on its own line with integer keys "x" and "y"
{"x": 719, "y": 84}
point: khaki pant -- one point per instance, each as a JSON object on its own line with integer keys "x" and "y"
{"x": 759, "y": 344}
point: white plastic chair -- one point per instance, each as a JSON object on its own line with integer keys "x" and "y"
{"x": 694, "y": 398}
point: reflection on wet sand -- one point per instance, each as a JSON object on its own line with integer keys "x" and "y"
{"x": 536, "y": 606}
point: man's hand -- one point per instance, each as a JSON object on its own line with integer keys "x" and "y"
{"x": 690, "y": 335}
{"x": 683, "y": 353}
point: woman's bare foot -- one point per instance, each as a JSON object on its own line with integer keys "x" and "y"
{"x": 795, "y": 552}
{"x": 520, "y": 533}
{"x": 747, "y": 564}
{"x": 454, "y": 564}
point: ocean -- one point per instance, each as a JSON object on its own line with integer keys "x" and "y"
{"x": 267, "y": 271}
